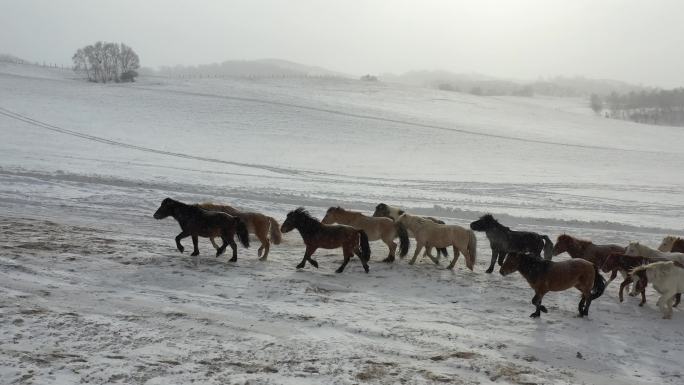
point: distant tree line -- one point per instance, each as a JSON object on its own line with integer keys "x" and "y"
{"x": 663, "y": 107}
{"x": 104, "y": 62}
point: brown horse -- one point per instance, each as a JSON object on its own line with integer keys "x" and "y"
{"x": 578, "y": 248}
{"x": 315, "y": 235}
{"x": 672, "y": 244}
{"x": 618, "y": 262}
{"x": 265, "y": 228}
{"x": 377, "y": 228}
{"x": 196, "y": 222}
{"x": 544, "y": 276}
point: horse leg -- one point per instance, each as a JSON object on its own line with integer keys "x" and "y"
{"x": 419, "y": 246}
{"x": 225, "y": 237}
{"x": 213, "y": 243}
{"x": 456, "y": 255}
{"x": 502, "y": 256}
{"x": 183, "y": 234}
{"x": 347, "y": 256}
{"x": 233, "y": 246}
{"x": 195, "y": 251}
{"x": 633, "y": 291}
{"x": 392, "y": 250}
{"x": 624, "y": 283}
{"x": 613, "y": 275}
{"x": 495, "y": 254}
{"x": 307, "y": 257}
{"x": 665, "y": 304}
{"x": 428, "y": 252}
{"x": 643, "y": 296}
{"x": 536, "y": 301}
{"x": 265, "y": 246}
{"x": 678, "y": 299}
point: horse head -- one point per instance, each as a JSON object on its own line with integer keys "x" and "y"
{"x": 381, "y": 210}
{"x": 562, "y": 243}
{"x": 633, "y": 249}
{"x": 331, "y": 216}
{"x": 511, "y": 263}
{"x": 165, "y": 209}
{"x": 485, "y": 223}
{"x": 667, "y": 243}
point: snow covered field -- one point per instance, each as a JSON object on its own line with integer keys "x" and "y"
{"x": 93, "y": 291}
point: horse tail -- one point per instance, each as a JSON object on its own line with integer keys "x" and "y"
{"x": 241, "y": 231}
{"x": 599, "y": 284}
{"x": 472, "y": 249}
{"x": 276, "y": 235}
{"x": 404, "y": 242}
{"x": 548, "y": 248}
{"x": 365, "y": 247}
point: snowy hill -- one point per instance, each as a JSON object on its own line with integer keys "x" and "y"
{"x": 93, "y": 289}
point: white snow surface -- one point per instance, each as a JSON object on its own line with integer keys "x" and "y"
{"x": 92, "y": 289}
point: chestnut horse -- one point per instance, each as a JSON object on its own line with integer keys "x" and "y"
{"x": 196, "y": 222}
{"x": 265, "y": 228}
{"x": 672, "y": 244}
{"x": 579, "y": 248}
{"x": 315, "y": 235}
{"x": 377, "y": 228}
{"x": 544, "y": 276}
{"x": 618, "y": 262}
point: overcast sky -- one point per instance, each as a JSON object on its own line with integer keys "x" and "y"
{"x": 640, "y": 41}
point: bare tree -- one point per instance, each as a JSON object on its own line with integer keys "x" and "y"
{"x": 104, "y": 62}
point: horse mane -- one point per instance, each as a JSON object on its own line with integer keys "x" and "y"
{"x": 534, "y": 266}
{"x": 490, "y": 218}
{"x": 578, "y": 241}
{"x": 305, "y": 219}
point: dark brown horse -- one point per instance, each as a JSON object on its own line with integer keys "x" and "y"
{"x": 618, "y": 262}
{"x": 315, "y": 235}
{"x": 196, "y": 222}
{"x": 544, "y": 276}
{"x": 578, "y": 248}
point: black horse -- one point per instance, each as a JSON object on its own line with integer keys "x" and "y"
{"x": 503, "y": 240}
{"x": 196, "y": 222}
{"x": 315, "y": 235}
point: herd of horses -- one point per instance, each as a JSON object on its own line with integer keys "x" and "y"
{"x": 526, "y": 252}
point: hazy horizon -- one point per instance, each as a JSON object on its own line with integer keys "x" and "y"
{"x": 628, "y": 40}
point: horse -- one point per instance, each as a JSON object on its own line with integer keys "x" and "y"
{"x": 619, "y": 262}
{"x": 265, "y": 228}
{"x": 503, "y": 240}
{"x": 544, "y": 276}
{"x": 433, "y": 234}
{"x": 639, "y": 250}
{"x": 196, "y": 222}
{"x": 383, "y": 210}
{"x": 315, "y": 235}
{"x": 672, "y": 244}
{"x": 377, "y": 228}
{"x": 668, "y": 280}
{"x": 578, "y": 248}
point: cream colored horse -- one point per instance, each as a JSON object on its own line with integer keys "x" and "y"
{"x": 377, "y": 228}
{"x": 428, "y": 233}
{"x": 636, "y": 249}
{"x": 265, "y": 228}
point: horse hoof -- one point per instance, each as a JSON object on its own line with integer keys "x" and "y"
{"x": 234, "y": 259}
{"x": 543, "y": 308}
{"x": 535, "y": 315}
{"x": 641, "y": 304}
{"x": 262, "y": 259}
{"x": 338, "y": 271}
{"x": 489, "y": 271}
{"x": 194, "y": 253}
{"x": 300, "y": 266}
{"x": 366, "y": 269}
{"x": 388, "y": 260}
{"x": 314, "y": 263}
{"x": 180, "y": 249}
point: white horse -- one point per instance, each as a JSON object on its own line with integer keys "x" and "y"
{"x": 667, "y": 278}
{"x": 635, "y": 249}
{"x": 667, "y": 243}
{"x": 429, "y": 233}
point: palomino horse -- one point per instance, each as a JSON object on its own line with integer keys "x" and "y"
{"x": 383, "y": 210}
{"x": 636, "y": 249}
{"x": 579, "y": 248}
{"x": 258, "y": 224}
{"x": 668, "y": 280}
{"x": 672, "y": 244}
{"x": 376, "y": 228}
{"x": 544, "y": 276}
{"x": 434, "y": 234}
{"x": 315, "y": 235}
{"x": 503, "y": 240}
{"x": 196, "y": 222}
